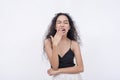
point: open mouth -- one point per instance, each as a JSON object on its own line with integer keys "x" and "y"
{"x": 63, "y": 30}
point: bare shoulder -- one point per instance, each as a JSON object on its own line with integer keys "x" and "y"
{"x": 47, "y": 42}
{"x": 75, "y": 45}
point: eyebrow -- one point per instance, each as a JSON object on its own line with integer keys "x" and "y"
{"x": 63, "y": 20}
{"x": 66, "y": 20}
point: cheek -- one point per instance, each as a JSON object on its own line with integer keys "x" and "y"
{"x": 56, "y": 27}
{"x": 68, "y": 27}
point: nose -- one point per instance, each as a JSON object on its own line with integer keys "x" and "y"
{"x": 62, "y": 24}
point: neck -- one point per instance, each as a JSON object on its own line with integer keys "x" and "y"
{"x": 64, "y": 39}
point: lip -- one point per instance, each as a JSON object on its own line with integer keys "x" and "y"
{"x": 63, "y": 30}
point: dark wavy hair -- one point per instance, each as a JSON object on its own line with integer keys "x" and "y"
{"x": 72, "y": 33}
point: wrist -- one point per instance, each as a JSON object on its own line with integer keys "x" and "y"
{"x": 59, "y": 71}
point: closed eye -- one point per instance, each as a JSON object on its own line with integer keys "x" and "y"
{"x": 66, "y": 22}
{"x": 58, "y": 22}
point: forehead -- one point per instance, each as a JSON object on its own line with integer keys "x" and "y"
{"x": 62, "y": 18}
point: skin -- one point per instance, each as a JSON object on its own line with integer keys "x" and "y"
{"x": 60, "y": 45}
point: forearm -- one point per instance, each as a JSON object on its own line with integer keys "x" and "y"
{"x": 54, "y": 59}
{"x": 71, "y": 70}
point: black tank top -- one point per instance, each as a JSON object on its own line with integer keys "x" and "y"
{"x": 67, "y": 60}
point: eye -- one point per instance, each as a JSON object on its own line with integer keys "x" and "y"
{"x": 58, "y": 22}
{"x": 66, "y": 22}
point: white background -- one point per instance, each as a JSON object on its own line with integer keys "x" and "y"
{"x": 24, "y": 22}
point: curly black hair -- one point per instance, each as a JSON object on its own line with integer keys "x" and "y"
{"x": 72, "y": 33}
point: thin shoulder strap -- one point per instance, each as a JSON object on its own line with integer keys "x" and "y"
{"x": 70, "y": 43}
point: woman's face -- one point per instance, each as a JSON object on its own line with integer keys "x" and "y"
{"x": 63, "y": 24}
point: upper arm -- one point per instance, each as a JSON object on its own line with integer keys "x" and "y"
{"x": 77, "y": 52}
{"x": 48, "y": 48}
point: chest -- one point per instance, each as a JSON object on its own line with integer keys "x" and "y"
{"x": 62, "y": 50}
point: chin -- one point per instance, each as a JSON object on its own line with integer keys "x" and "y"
{"x": 64, "y": 34}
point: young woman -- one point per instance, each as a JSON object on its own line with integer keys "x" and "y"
{"x": 61, "y": 46}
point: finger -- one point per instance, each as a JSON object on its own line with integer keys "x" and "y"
{"x": 59, "y": 29}
{"x": 51, "y": 37}
{"x": 49, "y": 72}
